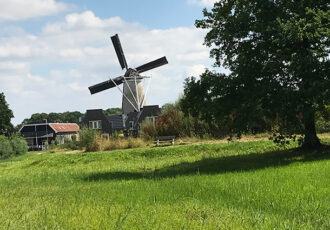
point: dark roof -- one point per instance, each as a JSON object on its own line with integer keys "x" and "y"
{"x": 149, "y": 111}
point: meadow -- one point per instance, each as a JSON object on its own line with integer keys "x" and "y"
{"x": 240, "y": 185}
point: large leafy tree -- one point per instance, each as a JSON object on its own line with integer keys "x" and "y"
{"x": 277, "y": 52}
{"x": 5, "y": 115}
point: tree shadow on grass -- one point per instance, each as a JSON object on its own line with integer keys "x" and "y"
{"x": 225, "y": 164}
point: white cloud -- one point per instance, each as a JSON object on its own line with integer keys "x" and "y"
{"x": 58, "y": 65}
{"x": 205, "y": 3}
{"x": 23, "y": 9}
{"x": 8, "y": 50}
{"x": 196, "y": 70}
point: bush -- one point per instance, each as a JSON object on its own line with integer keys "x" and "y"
{"x": 67, "y": 140}
{"x": 148, "y": 130}
{"x": 115, "y": 135}
{"x": 74, "y": 138}
{"x": 18, "y": 144}
{"x": 89, "y": 139}
{"x": 173, "y": 122}
{"x": 6, "y": 148}
{"x": 13, "y": 146}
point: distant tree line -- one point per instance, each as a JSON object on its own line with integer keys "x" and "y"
{"x": 66, "y": 117}
{"x": 6, "y": 114}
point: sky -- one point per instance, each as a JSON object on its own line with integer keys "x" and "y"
{"x": 51, "y": 50}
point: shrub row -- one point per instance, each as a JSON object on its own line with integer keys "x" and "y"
{"x": 11, "y": 146}
{"x": 91, "y": 141}
{"x": 173, "y": 122}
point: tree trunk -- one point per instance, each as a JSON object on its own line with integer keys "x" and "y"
{"x": 311, "y": 141}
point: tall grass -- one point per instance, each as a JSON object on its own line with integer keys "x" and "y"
{"x": 91, "y": 141}
{"x": 122, "y": 143}
{"x": 252, "y": 185}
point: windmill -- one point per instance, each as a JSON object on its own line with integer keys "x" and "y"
{"x": 133, "y": 95}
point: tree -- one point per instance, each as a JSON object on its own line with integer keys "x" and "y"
{"x": 5, "y": 116}
{"x": 66, "y": 117}
{"x": 112, "y": 111}
{"x": 277, "y": 52}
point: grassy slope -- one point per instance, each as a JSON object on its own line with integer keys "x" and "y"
{"x": 251, "y": 185}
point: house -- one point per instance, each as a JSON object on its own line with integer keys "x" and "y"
{"x": 134, "y": 119}
{"x": 96, "y": 119}
{"x": 37, "y": 135}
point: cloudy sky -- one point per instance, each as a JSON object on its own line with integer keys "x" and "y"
{"x": 52, "y": 50}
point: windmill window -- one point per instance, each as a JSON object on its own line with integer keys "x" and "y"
{"x": 95, "y": 124}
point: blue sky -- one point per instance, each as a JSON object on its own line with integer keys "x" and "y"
{"x": 157, "y": 14}
{"x": 51, "y": 51}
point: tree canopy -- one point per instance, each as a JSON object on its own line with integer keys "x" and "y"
{"x": 66, "y": 117}
{"x": 112, "y": 111}
{"x": 6, "y": 114}
{"x": 277, "y": 52}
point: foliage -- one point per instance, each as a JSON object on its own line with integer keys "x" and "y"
{"x": 323, "y": 120}
{"x": 122, "y": 143}
{"x": 254, "y": 185}
{"x": 74, "y": 138}
{"x": 148, "y": 130}
{"x": 89, "y": 139}
{"x": 6, "y": 149}
{"x": 6, "y": 114}
{"x": 112, "y": 111}
{"x": 173, "y": 122}
{"x": 66, "y": 117}
{"x": 278, "y": 56}
{"x": 69, "y": 143}
{"x": 14, "y": 145}
{"x": 169, "y": 122}
{"x": 322, "y": 125}
{"x": 19, "y": 144}
{"x": 115, "y": 135}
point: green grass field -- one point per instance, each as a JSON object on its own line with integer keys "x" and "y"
{"x": 253, "y": 185}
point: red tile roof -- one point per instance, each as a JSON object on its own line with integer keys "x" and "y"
{"x": 64, "y": 127}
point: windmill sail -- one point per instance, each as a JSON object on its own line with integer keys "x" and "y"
{"x": 119, "y": 51}
{"x": 133, "y": 95}
{"x": 106, "y": 85}
{"x": 152, "y": 65}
